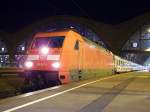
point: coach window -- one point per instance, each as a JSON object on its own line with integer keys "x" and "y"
{"x": 76, "y": 47}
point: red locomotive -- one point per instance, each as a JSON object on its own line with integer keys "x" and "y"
{"x": 65, "y": 56}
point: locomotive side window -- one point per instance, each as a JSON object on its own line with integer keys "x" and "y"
{"x": 76, "y": 47}
{"x": 52, "y": 42}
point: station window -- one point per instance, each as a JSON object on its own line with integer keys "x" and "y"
{"x": 76, "y": 47}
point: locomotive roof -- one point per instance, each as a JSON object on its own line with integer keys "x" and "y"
{"x": 63, "y": 31}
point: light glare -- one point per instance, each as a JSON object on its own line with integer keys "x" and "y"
{"x": 92, "y": 46}
{"x": 56, "y": 64}
{"x": 23, "y": 48}
{"x": 3, "y": 49}
{"x": 44, "y": 50}
{"x": 148, "y": 49}
{"x": 148, "y": 30}
{"x": 28, "y": 64}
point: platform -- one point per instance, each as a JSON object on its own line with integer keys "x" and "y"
{"x": 128, "y": 92}
{"x": 11, "y": 70}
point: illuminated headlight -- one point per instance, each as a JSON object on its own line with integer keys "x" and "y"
{"x": 56, "y": 64}
{"x": 28, "y": 64}
{"x": 44, "y": 50}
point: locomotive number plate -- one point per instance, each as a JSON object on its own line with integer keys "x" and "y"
{"x": 41, "y": 64}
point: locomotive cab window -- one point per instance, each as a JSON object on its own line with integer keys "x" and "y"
{"x": 76, "y": 47}
{"x": 52, "y": 42}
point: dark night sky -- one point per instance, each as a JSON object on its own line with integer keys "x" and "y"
{"x": 17, "y": 14}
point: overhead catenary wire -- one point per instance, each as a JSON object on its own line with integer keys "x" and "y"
{"x": 81, "y": 9}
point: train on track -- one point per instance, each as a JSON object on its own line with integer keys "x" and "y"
{"x": 61, "y": 57}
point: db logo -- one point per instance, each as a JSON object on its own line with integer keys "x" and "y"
{"x": 41, "y": 64}
{"x": 43, "y": 57}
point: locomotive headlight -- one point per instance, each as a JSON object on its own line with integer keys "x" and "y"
{"x": 28, "y": 64}
{"x": 44, "y": 50}
{"x": 56, "y": 64}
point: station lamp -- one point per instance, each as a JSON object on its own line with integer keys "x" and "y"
{"x": 3, "y": 49}
{"x": 148, "y": 30}
{"x": 134, "y": 44}
{"x": 22, "y": 48}
{"x": 148, "y": 49}
{"x": 71, "y": 27}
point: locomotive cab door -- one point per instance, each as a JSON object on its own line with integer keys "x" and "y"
{"x": 79, "y": 49}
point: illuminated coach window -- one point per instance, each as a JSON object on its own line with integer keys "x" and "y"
{"x": 76, "y": 47}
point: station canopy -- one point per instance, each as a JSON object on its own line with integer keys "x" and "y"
{"x": 130, "y": 39}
